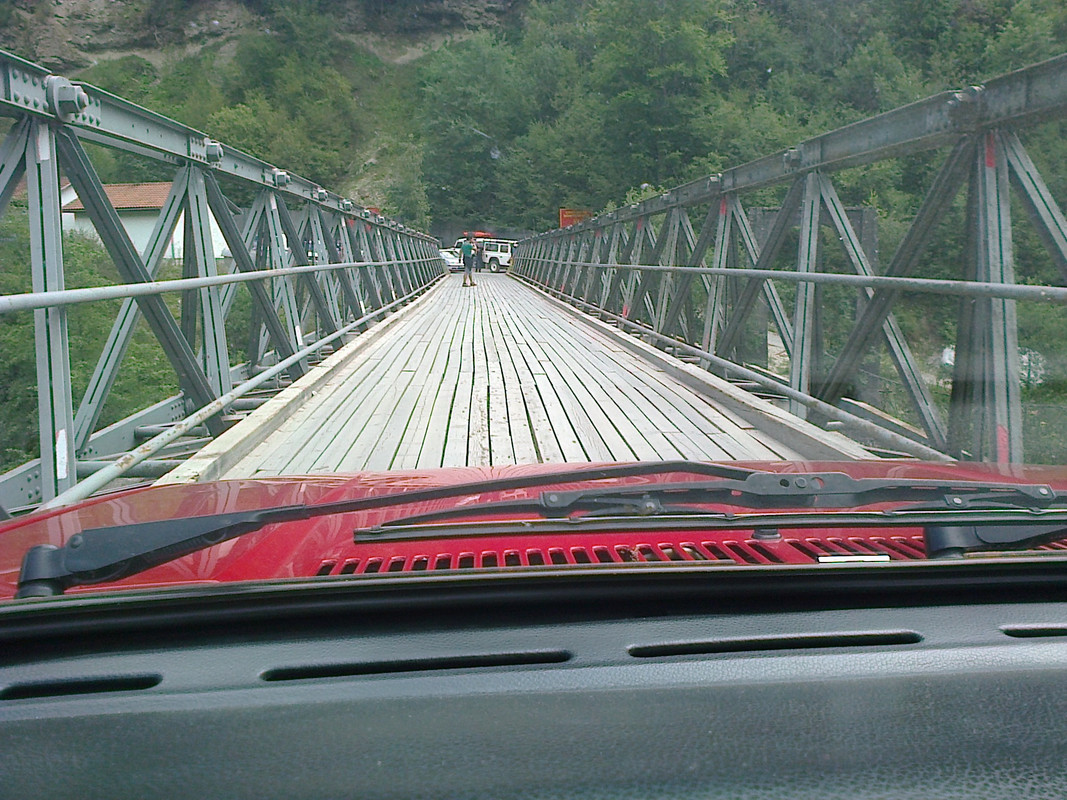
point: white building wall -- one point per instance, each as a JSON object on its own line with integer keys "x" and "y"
{"x": 139, "y": 226}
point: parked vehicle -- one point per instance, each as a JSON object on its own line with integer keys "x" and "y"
{"x": 496, "y": 253}
{"x": 452, "y": 260}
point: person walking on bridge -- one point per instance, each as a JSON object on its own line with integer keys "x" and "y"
{"x": 467, "y": 251}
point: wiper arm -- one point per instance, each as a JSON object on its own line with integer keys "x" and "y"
{"x": 757, "y": 490}
{"x": 102, "y": 555}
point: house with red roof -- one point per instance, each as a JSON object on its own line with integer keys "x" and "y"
{"x": 138, "y": 206}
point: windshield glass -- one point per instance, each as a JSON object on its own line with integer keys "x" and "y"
{"x": 805, "y": 263}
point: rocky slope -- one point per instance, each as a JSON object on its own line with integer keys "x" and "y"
{"x": 67, "y": 35}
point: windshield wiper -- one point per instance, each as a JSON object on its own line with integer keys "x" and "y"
{"x": 759, "y": 490}
{"x": 955, "y": 515}
{"x": 102, "y": 555}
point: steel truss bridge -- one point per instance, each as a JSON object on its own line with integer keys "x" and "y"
{"x": 642, "y": 333}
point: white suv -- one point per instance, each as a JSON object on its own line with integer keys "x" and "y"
{"x": 496, "y": 253}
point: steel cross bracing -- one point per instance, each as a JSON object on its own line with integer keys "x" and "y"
{"x": 316, "y": 266}
{"x": 711, "y": 294}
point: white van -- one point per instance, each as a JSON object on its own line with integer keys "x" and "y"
{"x": 495, "y": 252}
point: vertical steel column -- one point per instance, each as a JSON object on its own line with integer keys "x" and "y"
{"x": 642, "y": 236}
{"x": 754, "y": 287}
{"x": 620, "y": 243}
{"x": 680, "y": 312}
{"x": 249, "y": 227}
{"x": 331, "y": 289}
{"x": 383, "y": 270}
{"x": 770, "y": 294}
{"x": 668, "y": 258}
{"x": 600, "y": 243}
{"x": 552, "y": 264}
{"x": 644, "y": 279}
{"x": 574, "y": 270}
{"x": 334, "y": 240}
{"x": 800, "y": 364}
{"x": 327, "y": 323}
{"x": 938, "y": 199}
{"x": 986, "y": 392}
{"x": 714, "y": 312}
{"x": 213, "y": 324}
{"x": 370, "y": 274}
{"x": 54, "y": 402}
{"x": 697, "y": 251}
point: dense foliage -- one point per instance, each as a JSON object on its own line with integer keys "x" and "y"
{"x": 576, "y": 102}
{"x": 595, "y": 97}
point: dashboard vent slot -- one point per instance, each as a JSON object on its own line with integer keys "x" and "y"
{"x": 478, "y": 661}
{"x": 1034, "y": 631}
{"x": 763, "y": 643}
{"x": 33, "y": 690}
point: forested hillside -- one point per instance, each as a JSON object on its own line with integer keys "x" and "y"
{"x": 507, "y": 110}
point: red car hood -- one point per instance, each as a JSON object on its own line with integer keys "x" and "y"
{"x": 325, "y": 546}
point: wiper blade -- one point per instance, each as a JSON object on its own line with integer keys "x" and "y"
{"x": 951, "y": 537}
{"x": 758, "y": 490}
{"x": 102, "y": 555}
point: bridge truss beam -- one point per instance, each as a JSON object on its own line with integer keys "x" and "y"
{"x": 723, "y": 276}
{"x": 357, "y": 263}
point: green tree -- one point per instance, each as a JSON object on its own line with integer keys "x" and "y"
{"x": 655, "y": 67}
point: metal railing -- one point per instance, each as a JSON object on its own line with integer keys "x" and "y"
{"x": 712, "y": 293}
{"x": 371, "y": 265}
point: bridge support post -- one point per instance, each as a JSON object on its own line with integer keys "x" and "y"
{"x": 199, "y": 257}
{"x": 54, "y": 402}
{"x": 800, "y": 363}
{"x": 986, "y": 405}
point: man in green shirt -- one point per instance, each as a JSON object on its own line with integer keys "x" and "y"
{"x": 467, "y": 251}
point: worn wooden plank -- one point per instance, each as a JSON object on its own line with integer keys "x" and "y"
{"x": 457, "y": 439}
{"x": 614, "y": 388}
{"x": 434, "y": 383}
{"x": 514, "y": 376}
{"x": 332, "y": 444}
{"x": 553, "y": 433}
{"x": 478, "y": 446}
{"x": 588, "y": 422}
{"x": 499, "y": 374}
{"x": 432, "y": 452}
{"x": 291, "y": 450}
{"x": 376, "y": 446}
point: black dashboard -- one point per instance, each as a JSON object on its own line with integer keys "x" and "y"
{"x": 826, "y": 684}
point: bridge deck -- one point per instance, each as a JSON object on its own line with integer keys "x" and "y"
{"x": 498, "y": 374}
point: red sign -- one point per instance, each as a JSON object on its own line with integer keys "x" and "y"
{"x": 572, "y": 216}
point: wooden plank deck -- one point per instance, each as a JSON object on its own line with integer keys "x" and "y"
{"x": 490, "y": 375}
